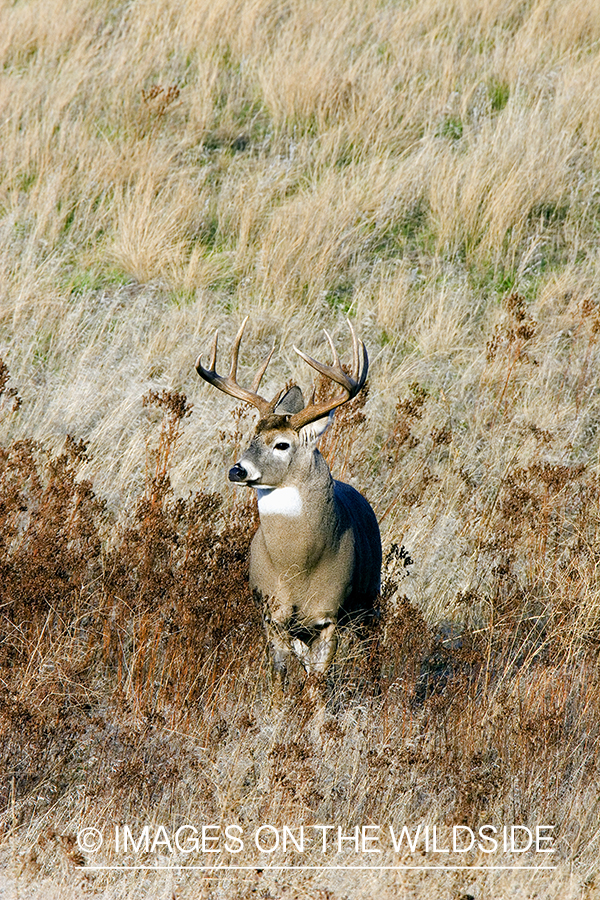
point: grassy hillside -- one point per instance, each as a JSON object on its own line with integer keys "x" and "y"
{"x": 430, "y": 170}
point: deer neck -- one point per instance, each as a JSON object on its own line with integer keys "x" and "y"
{"x": 293, "y": 513}
{"x": 280, "y": 501}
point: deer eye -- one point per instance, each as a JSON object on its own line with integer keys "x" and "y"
{"x": 282, "y": 445}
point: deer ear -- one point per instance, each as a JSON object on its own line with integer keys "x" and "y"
{"x": 291, "y": 402}
{"x": 310, "y": 434}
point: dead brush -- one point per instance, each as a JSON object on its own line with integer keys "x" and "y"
{"x": 405, "y": 633}
{"x": 8, "y": 395}
{"x": 529, "y": 526}
{"x": 156, "y": 100}
{"x": 161, "y": 618}
{"x": 176, "y": 585}
{"x": 51, "y": 547}
{"x": 51, "y": 568}
{"x": 340, "y": 442}
{"x": 409, "y": 453}
{"x": 528, "y": 612}
{"x": 510, "y": 348}
{"x": 408, "y": 411}
{"x": 540, "y": 553}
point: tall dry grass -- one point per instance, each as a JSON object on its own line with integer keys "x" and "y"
{"x": 429, "y": 169}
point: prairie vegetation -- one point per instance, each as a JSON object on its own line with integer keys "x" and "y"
{"x": 431, "y": 170}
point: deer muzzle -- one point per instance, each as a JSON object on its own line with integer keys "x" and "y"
{"x": 238, "y": 473}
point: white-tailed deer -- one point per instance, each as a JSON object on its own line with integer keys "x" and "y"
{"x": 316, "y": 558}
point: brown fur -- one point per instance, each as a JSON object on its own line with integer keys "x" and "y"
{"x": 314, "y": 569}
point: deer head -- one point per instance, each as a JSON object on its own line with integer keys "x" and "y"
{"x": 287, "y": 428}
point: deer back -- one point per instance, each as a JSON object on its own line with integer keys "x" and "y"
{"x": 355, "y": 512}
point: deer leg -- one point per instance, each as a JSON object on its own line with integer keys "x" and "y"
{"x": 301, "y": 652}
{"x": 322, "y": 649}
{"x": 280, "y": 648}
{"x": 316, "y": 658}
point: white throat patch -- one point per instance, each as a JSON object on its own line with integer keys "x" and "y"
{"x": 283, "y": 501}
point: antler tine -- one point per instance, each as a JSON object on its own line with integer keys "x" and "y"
{"x": 228, "y": 383}
{"x": 213, "y": 352}
{"x": 263, "y": 368}
{"x": 351, "y": 384}
{"x": 235, "y": 350}
{"x": 336, "y": 359}
{"x": 355, "y": 360}
{"x": 360, "y": 360}
{"x": 335, "y": 372}
{"x": 362, "y": 365}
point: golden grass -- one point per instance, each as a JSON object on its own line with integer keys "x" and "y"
{"x": 432, "y": 170}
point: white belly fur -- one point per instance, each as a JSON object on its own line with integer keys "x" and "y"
{"x": 283, "y": 501}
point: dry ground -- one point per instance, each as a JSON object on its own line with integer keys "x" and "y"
{"x": 429, "y": 169}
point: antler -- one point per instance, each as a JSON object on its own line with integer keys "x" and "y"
{"x": 351, "y": 384}
{"x": 228, "y": 383}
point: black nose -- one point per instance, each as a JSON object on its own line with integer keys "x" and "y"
{"x": 237, "y": 473}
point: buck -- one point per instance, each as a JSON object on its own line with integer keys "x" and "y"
{"x": 315, "y": 561}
